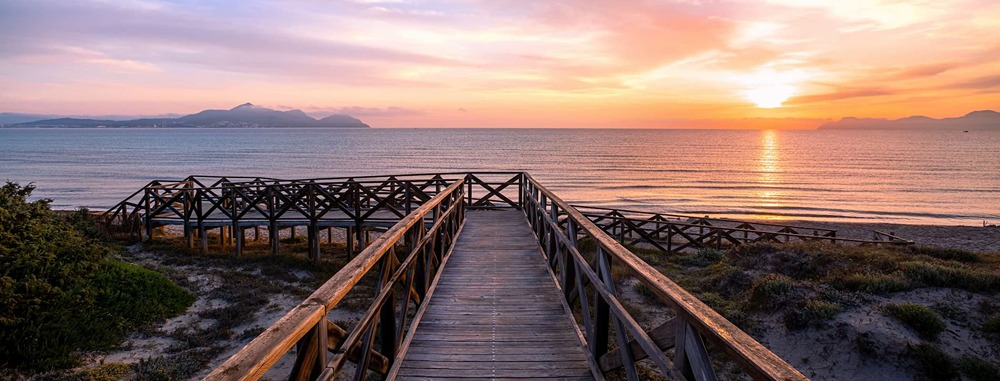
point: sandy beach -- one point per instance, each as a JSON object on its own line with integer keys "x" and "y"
{"x": 973, "y": 238}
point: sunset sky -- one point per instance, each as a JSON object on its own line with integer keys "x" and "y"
{"x": 683, "y": 63}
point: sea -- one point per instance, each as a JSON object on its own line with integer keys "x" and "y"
{"x": 912, "y": 177}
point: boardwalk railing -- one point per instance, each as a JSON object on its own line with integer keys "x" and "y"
{"x": 675, "y": 233}
{"x": 590, "y": 289}
{"x": 234, "y": 204}
{"x": 402, "y": 284}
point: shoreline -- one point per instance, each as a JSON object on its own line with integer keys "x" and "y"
{"x": 973, "y": 238}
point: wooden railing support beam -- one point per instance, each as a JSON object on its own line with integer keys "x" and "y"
{"x": 663, "y": 335}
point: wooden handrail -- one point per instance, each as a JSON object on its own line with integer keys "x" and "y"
{"x": 624, "y": 225}
{"x": 308, "y": 317}
{"x": 756, "y": 360}
{"x": 583, "y": 209}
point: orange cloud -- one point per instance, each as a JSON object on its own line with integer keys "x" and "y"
{"x": 507, "y": 63}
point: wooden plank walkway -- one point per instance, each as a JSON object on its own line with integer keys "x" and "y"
{"x": 496, "y": 312}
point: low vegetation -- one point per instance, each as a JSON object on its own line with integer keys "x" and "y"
{"x": 921, "y": 319}
{"x": 63, "y": 291}
{"x": 936, "y": 364}
{"x": 808, "y": 285}
{"x": 992, "y": 325}
{"x": 235, "y": 291}
{"x": 978, "y": 369}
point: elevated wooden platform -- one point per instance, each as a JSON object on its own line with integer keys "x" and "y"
{"x": 494, "y": 268}
{"x": 496, "y": 312}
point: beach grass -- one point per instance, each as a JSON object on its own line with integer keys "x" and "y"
{"x": 921, "y": 319}
{"x": 809, "y": 285}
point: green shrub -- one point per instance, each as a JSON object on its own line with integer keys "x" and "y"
{"x": 83, "y": 221}
{"x": 921, "y": 319}
{"x": 946, "y": 254}
{"x": 771, "y": 289}
{"x": 992, "y": 324}
{"x": 107, "y": 372}
{"x": 954, "y": 277}
{"x": 811, "y": 312}
{"x": 936, "y": 364}
{"x": 641, "y": 289}
{"x": 252, "y": 332}
{"x": 822, "y": 309}
{"x": 297, "y": 240}
{"x": 754, "y": 250}
{"x": 729, "y": 309}
{"x": 978, "y": 369}
{"x": 44, "y": 287}
{"x": 704, "y": 257}
{"x": 58, "y": 291}
{"x": 875, "y": 283}
{"x": 724, "y": 278}
{"x": 130, "y": 296}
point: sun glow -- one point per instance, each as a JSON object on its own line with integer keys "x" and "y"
{"x": 767, "y": 88}
{"x": 770, "y": 96}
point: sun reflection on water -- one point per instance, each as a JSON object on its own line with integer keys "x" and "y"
{"x": 769, "y": 173}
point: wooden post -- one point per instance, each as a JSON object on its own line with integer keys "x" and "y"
{"x": 569, "y": 265}
{"x": 359, "y": 233}
{"x": 148, "y": 223}
{"x": 322, "y": 336}
{"x": 188, "y": 236}
{"x": 273, "y": 236}
{"x": 602, "y": 316}
{"x": 203, "y": 235}
{"x": 554, "y": 215}
{"x": 670, "y": 238}
{"x": 387, "y": 329}
{"x": 256, "y": 233}
{"x": 349, "y": 237}
{"x": 238, "y": 232}
{"x": 313, "y": 235}
{"x": 680, "y": 352}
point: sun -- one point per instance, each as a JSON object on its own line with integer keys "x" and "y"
{"x": 768, "y": 88}
{"x": 769, "y": 96}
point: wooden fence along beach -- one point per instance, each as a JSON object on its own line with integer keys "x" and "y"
{"x": 479, "y": 274}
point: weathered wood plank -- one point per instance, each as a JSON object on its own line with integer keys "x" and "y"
{"x": 495, "y": 311}
{"x": 450, "y": 363}
{"x": 513, "y": 373}
{"x": 417, "y": 378}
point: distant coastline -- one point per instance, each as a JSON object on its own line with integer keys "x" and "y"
{"x": 246, "y": 115}
{"x": 976, "y": 120}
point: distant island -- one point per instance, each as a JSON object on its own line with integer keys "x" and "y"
{"x": 976, "y": 120}
{"x": 245, "y": 115}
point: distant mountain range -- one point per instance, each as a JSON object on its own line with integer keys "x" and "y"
{"x": 8, "y": 118}
{"x": 976, "y": 120}
{"x": 243, "y": 116}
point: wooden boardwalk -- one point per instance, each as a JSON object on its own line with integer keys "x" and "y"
{"x": 496, "y": 312}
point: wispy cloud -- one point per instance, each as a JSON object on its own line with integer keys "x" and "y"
{"x": 847, "y": 93}
{"x": 358, "y": 111}
{"x": 545, "y": 60}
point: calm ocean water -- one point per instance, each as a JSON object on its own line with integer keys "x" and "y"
{"x": 922, "y": 177}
